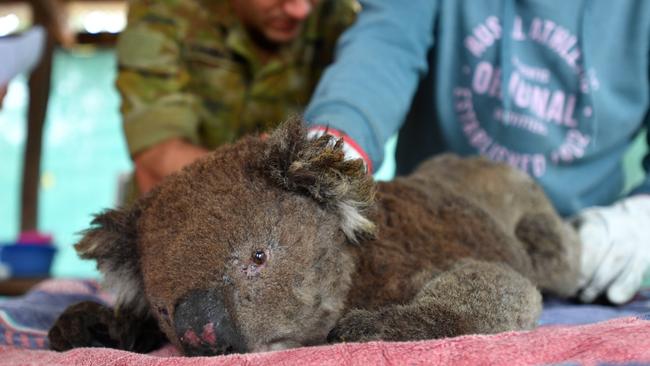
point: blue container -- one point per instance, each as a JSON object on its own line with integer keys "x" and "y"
{"x": 28, "y": 260}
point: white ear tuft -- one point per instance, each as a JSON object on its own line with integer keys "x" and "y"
{"x": 353, "y": 223}
{"x": 318, "y": 167}
{"x": 128, "y": 288}
{"x": 111, "y": 242}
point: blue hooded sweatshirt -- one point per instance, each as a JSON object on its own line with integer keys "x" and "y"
{"x": 556, "y": 88}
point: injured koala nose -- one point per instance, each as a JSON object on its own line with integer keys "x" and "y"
{"x": 204, "y": 326}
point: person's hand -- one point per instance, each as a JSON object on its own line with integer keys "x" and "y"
{"x": 351, "y": 149}
{"x": 3, "y": 92}
{"x": 157, "y": 162}
{"x": 615, "y": 249}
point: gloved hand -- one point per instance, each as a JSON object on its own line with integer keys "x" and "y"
{"x": 351, "y": 149}
{"x": 615, "y": 249}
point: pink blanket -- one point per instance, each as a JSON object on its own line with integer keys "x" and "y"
{"x": 24, "y": 322}
{"x": 615, "y": 341}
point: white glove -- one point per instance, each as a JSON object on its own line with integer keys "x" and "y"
{"x": 615, "y": 249}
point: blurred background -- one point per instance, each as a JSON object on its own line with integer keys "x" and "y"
{"x": 83, "y": 152}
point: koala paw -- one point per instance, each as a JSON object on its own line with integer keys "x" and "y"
{"x": 89, "y": 324}
{"x": 357, "y": 326}
{"x": 85, "y": 324}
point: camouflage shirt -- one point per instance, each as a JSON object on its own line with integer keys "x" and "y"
{"x": 188, "y": 69}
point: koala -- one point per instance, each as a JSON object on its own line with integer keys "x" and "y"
{"x": 279, "y": 242}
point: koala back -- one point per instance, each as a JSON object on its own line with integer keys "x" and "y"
{"x": 453, "y": 208}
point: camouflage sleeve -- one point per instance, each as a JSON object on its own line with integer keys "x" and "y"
{"x": 335, "y": 17}
{"x": 152, "y": 78}
{"x": 344, "y": 14}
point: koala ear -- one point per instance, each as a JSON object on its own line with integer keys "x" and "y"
{"x": 111, "y": 241}
{"x": 317, "y": 167}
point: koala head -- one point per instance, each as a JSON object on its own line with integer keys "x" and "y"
{"x": 244, "y": 250}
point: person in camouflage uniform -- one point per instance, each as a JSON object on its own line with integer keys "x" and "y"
{"x": 195, "y": 74}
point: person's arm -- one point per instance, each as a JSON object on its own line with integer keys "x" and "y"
{"x": 366, "y": 93}
{"x": 159, "y": 115}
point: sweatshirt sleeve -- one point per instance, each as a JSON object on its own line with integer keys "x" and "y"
{"x": 367, "y": 91}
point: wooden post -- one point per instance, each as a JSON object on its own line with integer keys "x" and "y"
{"x": 39, "y": 92}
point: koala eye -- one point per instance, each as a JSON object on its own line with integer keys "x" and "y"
{"x": 259, "y": 257}
{"x": 163, "y": 312}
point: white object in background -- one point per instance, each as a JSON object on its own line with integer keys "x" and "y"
{"x": 20, "y": 53}
{"x": 5, "y": 271}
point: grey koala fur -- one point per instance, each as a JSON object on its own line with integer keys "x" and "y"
{"x": 280, "y": 242}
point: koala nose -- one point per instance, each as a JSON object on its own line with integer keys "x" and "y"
{"x": 204, "y": 326}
